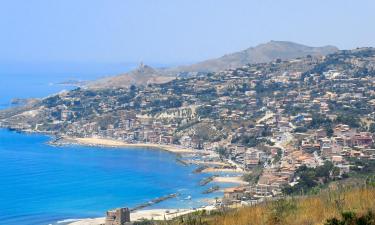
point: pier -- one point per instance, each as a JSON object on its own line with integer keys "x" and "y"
{"x": 153, "y": 202}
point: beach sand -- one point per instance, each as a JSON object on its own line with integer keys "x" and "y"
{"x": 156, "y": 214}
{"x": 213, "y": 170}
{"x": 212, "y": 163}
{"x": 94, "y": 221}
{"x": 93, "y": 141}
{"x": 234, "y": 180}
{"x": 152, "y": 214}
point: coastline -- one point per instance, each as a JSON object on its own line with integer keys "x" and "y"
{"x": 105, "y": 142}
{"x": 156, "y": 214}
{"x": 161, "y": 214}
{"x": 150, "y": 214}
{"x": 234, "y": 180}
{"x": 221, "y": 170}
{"x": 147, "y": 213}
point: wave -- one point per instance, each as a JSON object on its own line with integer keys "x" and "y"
{"x": 67, "y": 221}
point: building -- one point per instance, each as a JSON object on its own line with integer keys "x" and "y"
{"x": 120, "y": 216}
{"x": 233, "y": 195}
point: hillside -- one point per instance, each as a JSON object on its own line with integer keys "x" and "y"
{"x": 292, "y": 126}
{"x": 346, "y": 206}
{"x": 295, "y": 126}
{"x": 262, "y": 53}
{"x": 141, "y": 76}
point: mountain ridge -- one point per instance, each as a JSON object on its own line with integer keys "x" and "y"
{"x": 261, "y": 53}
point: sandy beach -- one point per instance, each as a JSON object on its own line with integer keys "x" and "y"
{"x": 218, "y": 170}
{"x": 156, "y": 214}
{"x": 94, "y": 141}
{"x": 234, "y": 180}
{"x": 212, "y": 163}
{"x": 152, "y": 214}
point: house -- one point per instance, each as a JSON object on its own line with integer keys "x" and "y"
{"x": 363, "y": 139}
{"x": 320, "y": 133}
{"x": 337, "y": 159}
{"x": 264, "y": 190}
{"x": 185, "y": 141}
{"x": 240, "y": 149}
{"x": 233, "y": 194}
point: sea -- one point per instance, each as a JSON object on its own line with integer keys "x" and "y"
{"x": 42, "y": 184}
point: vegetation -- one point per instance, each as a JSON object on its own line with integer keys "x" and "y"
{"x": 351, "y": 218}
{"x": 343, "y": 206}
{"x": 372, "y": 128}
{"x": 224, "y": 154}
{"x": 351, "y": 120}
{"x": 253, "y": 177}
{"x": 311, "y": 178}
{"x": 362, "y": 167}
{"x": 319, "y": 121}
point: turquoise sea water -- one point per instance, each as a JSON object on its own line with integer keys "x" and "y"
{"x": 41, "y": 184}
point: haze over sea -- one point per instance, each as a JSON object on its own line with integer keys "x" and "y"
{"x": 41, "y": 184}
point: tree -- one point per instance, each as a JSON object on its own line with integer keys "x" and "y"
{"x": 205, "y": 111}
{"x": 300, "y": 130}
{"x": 329, "y": 131}
{"x": 133, "y": 88}
{"x": 318, "y": 121}
{"x": 372, "y": 128}
{"x": 222, "y": 152}
{"x": 351, "y": 120}
{"x": 310, "y": 178}
{"x": 351, "y": 218}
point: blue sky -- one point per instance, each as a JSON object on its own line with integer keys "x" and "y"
{"x": 172, "y": 31}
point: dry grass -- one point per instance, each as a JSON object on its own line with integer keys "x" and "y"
{"x": 303, "y": 210}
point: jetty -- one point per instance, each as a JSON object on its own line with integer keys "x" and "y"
{"x": 211, "y": 189}
{"x": 182, "y": 162}
{"x": 207, "y": 180}
{"x": 153, "y": 202}
{"x": 200, "y": 169}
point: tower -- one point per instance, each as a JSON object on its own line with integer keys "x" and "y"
{"x": 120, "y": 216}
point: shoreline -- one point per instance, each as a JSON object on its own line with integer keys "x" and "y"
{"x": 221, "y": 170}
{"x": 149, "y": 214}
{"x": 232, "y": 180}
{"x": 106, "y": 142}
{"x": 157, "y": 214}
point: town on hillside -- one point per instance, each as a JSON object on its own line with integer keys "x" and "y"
{"x": 291, "y": 126}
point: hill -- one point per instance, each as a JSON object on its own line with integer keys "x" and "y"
{"x": 262, "y": 53}
{"x": 141, "y": 76}
{"x": 346, "y": 206}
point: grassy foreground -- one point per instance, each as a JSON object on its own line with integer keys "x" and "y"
{"x": 304, "y": 210}
{"x": 349, "y": 206}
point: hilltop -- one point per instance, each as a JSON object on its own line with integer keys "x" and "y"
{"x": 262, "y": 53}
{"x": 143, "y": 75}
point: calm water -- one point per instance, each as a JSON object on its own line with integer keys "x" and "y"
{"x": 40, "y": 83}
{"x": 41, "y": 184}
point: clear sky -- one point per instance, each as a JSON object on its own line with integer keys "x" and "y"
{"x": 170, "y": 31}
